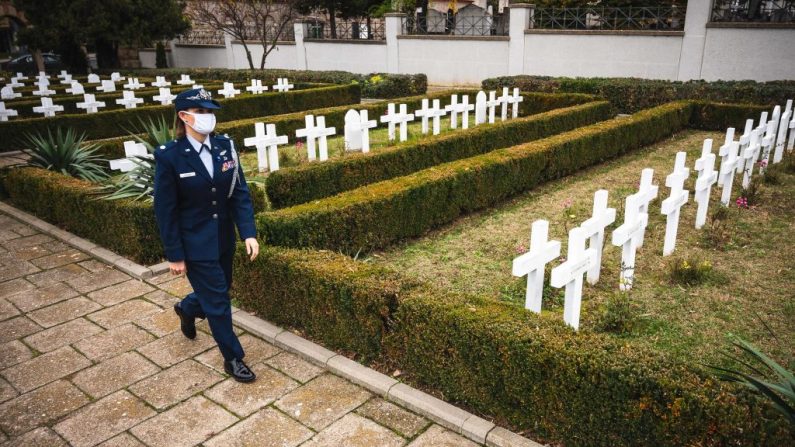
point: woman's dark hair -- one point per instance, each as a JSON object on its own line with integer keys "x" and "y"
{"x": 179, "y": 127}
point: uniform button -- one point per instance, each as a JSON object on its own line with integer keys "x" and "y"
{"x": 215, "y": 202}
{"x": 215, "y": 216}
{"x": 213, "y": 190}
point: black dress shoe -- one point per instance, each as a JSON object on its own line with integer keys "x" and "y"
{"x": 187, "y": 324}
{"x": 239, "y": 371}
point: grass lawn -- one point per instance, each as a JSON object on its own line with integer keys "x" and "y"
{"x": 749, "y": 292}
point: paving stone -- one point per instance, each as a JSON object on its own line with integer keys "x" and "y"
{"x": 120, "y": 292}
{"x": 178, "y": 287}
{"x": 58, "y": 259}
{"x": 7, "y": 391}
{"x": 113, "y": 342}
{"x": 187, "y": 424}
{"x": 43, "y": 296}
{"x": 246, "y": 398}
{"x": 62, "y": 335}
{"x": 40, "y": 407}
{"x": 64, "y": 311}
{"x": 162, "y": 299}
{"x": 58, "y": 274}
{"x": 13, "y": 352}
{"x": 40, "y": 437}
{"x": 500, "y": 437}
{"x": 17, "y": 327}
{"x": 17, "y": 270}
{"x": 160, "y": 323}
{"x": 322, "y": 401}
{"x": 114, "y": 374}
{"x": 7, "y": 310}
{"x": 266, "y": 428}
{"x": 390, "y": 415}
{"x": 45, "y": 368}
{"x": 256, "y": 351}
{"x": 15, "y": 286}
{"x": 97, "y": 280}
{"x": 92, "y": 265}
{"x": 123, "y": 440}
{"x": 124, "y": 312}
{"x": 107, "y": 417}
{"x": 176, "y": 384}
{"x": 28, "y": 241}
{"x": 174, "y": 347}
{"x": 355, "y": 431}
{"x": 294, "y": 366}
{"x": 160, "y": 278}
{"x": 23, "y": 229}
{"x": 437, "y": 436}
{"x": 31, "y": 253}
{"x": 7, "y": 235}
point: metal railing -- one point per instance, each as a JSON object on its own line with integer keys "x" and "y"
{"x": 773, "y": 11}
{"x": 202, "y": 37}
{"x": 271, "y": 31}
{"x": 669, "y": 18}
{"x": 456, "y": 25}
{"x": 352, "y": 29}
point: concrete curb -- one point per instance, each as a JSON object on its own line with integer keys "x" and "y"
{"x": 436, "y": 410}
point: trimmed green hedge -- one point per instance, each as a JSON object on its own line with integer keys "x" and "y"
{"x": 630, "y": 95}
{"x": 580, "y": 389}
{"x": 718, "y": 116}
{"x": 375, "y": 85}
{"x": 115, "y": 122}
{"x": 379, "y": 214}
{"x": 287, "y": 187}
{"x": 123, "y": 226}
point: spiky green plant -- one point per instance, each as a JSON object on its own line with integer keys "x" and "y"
{"x": 65, "y": 152}
{"x": 757, "y": 377}
{"x": 157, "y": 131}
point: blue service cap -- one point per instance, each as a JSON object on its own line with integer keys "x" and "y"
{"x": 196, "y": 97}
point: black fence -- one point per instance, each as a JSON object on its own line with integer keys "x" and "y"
{"x": 669, "y": 18}
{"x": 772, "y": 11}
{"x": 202, "y": 37}
{"x": 353, "y": 29}
{"x": 456, "y": 25}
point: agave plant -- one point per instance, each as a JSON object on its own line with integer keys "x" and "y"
{"x": 781, "y": 392}
{"x": 157, "y": 131}
{"x": 66, "y": 153}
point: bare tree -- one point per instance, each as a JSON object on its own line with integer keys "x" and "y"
{"x": 262, "y": 21}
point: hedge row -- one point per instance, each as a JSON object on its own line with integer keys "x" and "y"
{"x": 376, "y": 85}
{"x": 379, "y": 214}
{"x": 117, "y": 122}
{"x": 123, "y": 226}
{"x": 578, "y": 389}
{"x": 287, "y": 187}
{"x": 718, "y": 116}
{"x": 630, "y": 95}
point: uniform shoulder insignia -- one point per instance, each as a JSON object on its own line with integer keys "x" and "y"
{"x": 222, "y": 137}
{"x": 168, "y": 145}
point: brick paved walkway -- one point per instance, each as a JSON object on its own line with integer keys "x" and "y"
{"x": 90, "y": 356}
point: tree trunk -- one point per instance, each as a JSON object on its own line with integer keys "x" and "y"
{"x": 38, "y": 60}
{"x": 248, "y": 54}
{"x": 332, "y": 20}
{"x": 107, "y": 54}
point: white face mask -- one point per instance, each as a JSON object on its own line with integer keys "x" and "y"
{"x": 203, "y": 123}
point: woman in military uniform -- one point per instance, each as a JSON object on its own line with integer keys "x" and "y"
{"x": 200, "y": 196}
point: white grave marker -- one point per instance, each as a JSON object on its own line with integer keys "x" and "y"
{"x": 671, "y": 206}
{"x": 90, "y": 103}
{"x": 705, "y": 166}
{"x": 165, "y": 97}
{"x": 47, "y": 107}
{"x": 283, "y": 85}
{"x": 197, "y": 87}
{"x": 393, "y": 118}
{"x": 76, "y": 88}
{"x": 570, "y": 275}
{"x": 749, "y": 156}
{"x": 43, "y": 90}
{"x": 723, "y": 151}
{"x": 745, "y": 139}
{"x": 646, "y": 193}
{"x": 514, "y": 100}
{"x": 505, "y": 99}
{"x": 129, "y": 101}
{"x": 767, "y": 144}
{"x": 133, "y": 84}
{"x": 131, "y": 150}
{"x": 492, "y": 104}
{"x": 107, "y": 86}
{"x": 423, "y": 113}
{"x": 626, "y": 236}
{"x": 532, "y": 263}
{"x": 594, "y": 228}
{"x": 64, "y": 74}
{"x": 6, "y": 113}
{"x": 8, "y": 92}
{"x": 791, "y": 141}
{"x": 726, "y": 172}
{"x": 15, "y": 82}
{"x": 357, "y": 130}
{"x": 67, "y": 80}
{"x": 266, "y": 141}
{"x": 436, "y": 113}
{"x": 778, "y": 155}
{"x": 229, "y": 90}
{"x": 480, "y": 108}
{"x": 256, "y": 87}
{"x": 21, "y": 76}
{"x": 185, "y": 80}
{"x": 463, "y": 108}
{"x": 116, "y": 77}
{"x": 93, "y": 79}
{"x": 317, "y": 132}
{"x": 160, "y": 81}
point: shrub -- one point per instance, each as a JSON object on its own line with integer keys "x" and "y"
{"x": 616, "y": 315}
{"x": 66, "y": 153}
{"x": 690, "y": 271}
{"x": 717, "y": 234}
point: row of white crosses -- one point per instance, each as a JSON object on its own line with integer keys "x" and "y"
{"x": 266, "y": 141}
{"x": 584, "y": 256}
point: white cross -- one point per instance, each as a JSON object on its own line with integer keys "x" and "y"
{"x": 197, "y": 87}
{"x": 723, "y": 151}
{"x": 436, "y": 113}
{"x": 6, "y": 113}
{"x": 671, "y": 206}
{"x": 229, "y": 90}
{"x": 64, "y": 74}
{"x": 424, "y": 112}
{"x": 75, "y": 88}
{"x": 401, "y": 118}
{"x": 129, "y": 101}
{"x": 283, "y": 85}
{"x": 782, "y": 135}
{"x": 726, "y": 172}
{"x": 256, "y": 87}
{"x": 43, "y": 90}
{"x": 47, "y": 107}
{"x": 492, "y": 104}
{"x": 480, "y": 108}
{"x": 646, "y": 193}
{"x": 750, "y": 154}
{"x": 8, "y": 92}
{"x": 116, "y": 77}
{"x": 67, "y": 79}
{"x": 705, "y": 166}
{"x": 185, "y": 80}
{"x": 131, "y": 150}
{"x": 626, "y": 236}
{"x": 357, "y": 130}
{"x": 505, "y": 99}
{"x": 93, "y": 79}
{"x": 267, "y": 141}
{"x": 90, "y": 103}
{"x": 165, "y": 97}
{"x": 21, "y": 76}
{"x": 455, "y": 108}
{"x": 107, "y": 86}
{"x": 133, "y": 84}
{"x": 15, "y": 82}
{"x": 767, "y": 144}
{"x": 594, "y": 228}
{"x": 532, "y": 263}
{"x": 791, "y": 142}
{"x": 569, "y": 275}
{"x": 42, "y": 77}
{"x": 160, "y": 81}
{"x": 745, "y": 140}
{"x": 314, "y": 132}
{"x": 514, "y": 100}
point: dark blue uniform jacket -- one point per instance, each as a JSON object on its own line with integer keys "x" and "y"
{"x": 194, "y": 215}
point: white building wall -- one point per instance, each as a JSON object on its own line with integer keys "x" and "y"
{"x": 747, "y": 53}
{"x": 282, "y": 56}
{"x": 453, "y": 61}
{"x": 339, "y": 55}
{"x": 198, "y": 56}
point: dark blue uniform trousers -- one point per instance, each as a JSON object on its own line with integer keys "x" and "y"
{"x": 210, "y": 299}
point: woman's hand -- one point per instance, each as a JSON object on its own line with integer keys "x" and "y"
{"x": 177, "y": 268}
{"x": 252, "y": 247}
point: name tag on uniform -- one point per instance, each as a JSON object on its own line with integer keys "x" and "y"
{"x": 187, "y": 174}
